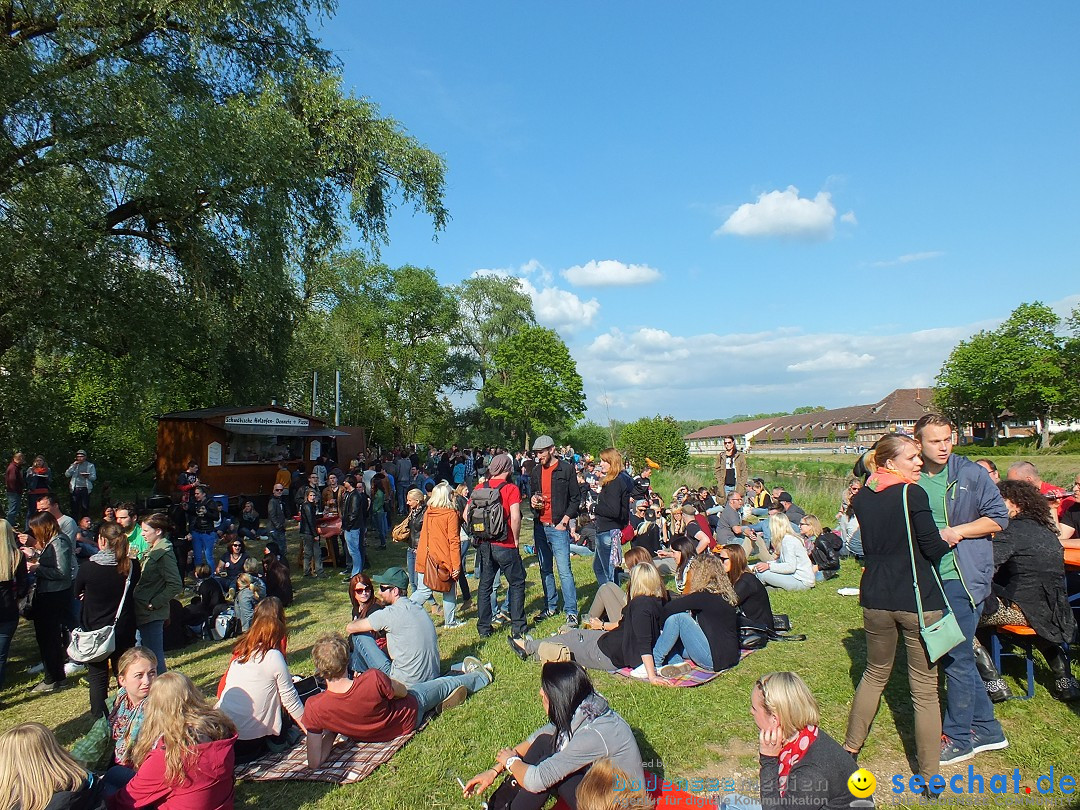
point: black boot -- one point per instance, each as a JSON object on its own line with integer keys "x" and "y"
{"x": 996, "y": 687}
{"x": 1065, "y": 687}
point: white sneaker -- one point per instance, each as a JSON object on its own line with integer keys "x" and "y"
{"x": 71, "y": 669}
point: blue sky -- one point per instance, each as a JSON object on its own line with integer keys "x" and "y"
{"x": 739, "y": 208}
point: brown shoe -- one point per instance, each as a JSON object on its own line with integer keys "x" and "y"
{"x": 455, "y": 698}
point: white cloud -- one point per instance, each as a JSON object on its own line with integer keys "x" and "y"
{"x": 610, "y": 273}
{"x": 786, "y": 215}
{"x": 832, "y": 360}
{"x": 849, "y": 218}
{"x": 907, "y": 258}
{"x": 556, "y": 308}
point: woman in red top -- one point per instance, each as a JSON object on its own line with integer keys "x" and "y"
{"x": 184, "y": 752}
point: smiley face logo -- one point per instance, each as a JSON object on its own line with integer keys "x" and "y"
{"x": 861, "y": 783}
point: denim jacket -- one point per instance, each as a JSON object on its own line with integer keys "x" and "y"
{"x": 969, "y": 495}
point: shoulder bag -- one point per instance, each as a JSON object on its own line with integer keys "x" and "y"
{"x": 944, "y": 634}
{"x": 401, "y": 532}
{"x": 92, "y": 646}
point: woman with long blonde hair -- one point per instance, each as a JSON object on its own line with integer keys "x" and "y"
{"x": 184, "y": 752}
{"x": 35, "y": 771}
{"x": 629, "y": 644}
{"x": 612, "y": 514}
{"x": 13, "y": 580}
{"x": 703, "y": 625}
{"x": 440, "y": 540}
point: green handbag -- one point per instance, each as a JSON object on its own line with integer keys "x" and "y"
{"x": 96, "y": 748}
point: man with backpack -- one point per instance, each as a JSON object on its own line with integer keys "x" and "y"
{"x": 493, "y": 518}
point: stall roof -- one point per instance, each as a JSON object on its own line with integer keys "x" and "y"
{"x": 229, "y": 410}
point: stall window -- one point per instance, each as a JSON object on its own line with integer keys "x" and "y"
{"x": 246, "y": 448}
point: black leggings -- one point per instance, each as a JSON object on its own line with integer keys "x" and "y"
{"x": 542, "y": 748}
{"x": 51, "y": 609}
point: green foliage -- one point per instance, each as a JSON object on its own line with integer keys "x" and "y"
{"x": 492, "y": 309}
{"x": 1024, "y": 367}
{"x": 658, "y": 438}
{"x": 809, "y": 409}
{"x": 168, "y": 172}
{"x": 588, "y": 437}
{"x": 535, "y": 385}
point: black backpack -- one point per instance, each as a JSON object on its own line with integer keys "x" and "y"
{"x": 487, "y": 520}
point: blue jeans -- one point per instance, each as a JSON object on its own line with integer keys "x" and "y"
{"x": 449, "y": 600}
{"x": 525, "y": 485}
{"x": 601, "y": 561}
{"x": 968, "y": 707}
{"x": 403, "y": 488}
{"x": 553, "y": 546}
{"x": 278, "y": 536}
{"x": 367, "y": 655}
{"x": 13, "y": 501}
{"x": 410, "y": 567}
{"x": 352, "y": 543}
{"x": 682, "y": 633}
{"x": 7, "y": 631}
{"x": 203, "y": 546}
{"x": 152, "y": 635}
{"x": 496, "y": 559}
{"x": 382, "y": 526}
{"x": 429, "y": 694}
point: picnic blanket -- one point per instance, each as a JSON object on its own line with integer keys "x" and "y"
{"x": 695, "y": 677}
{"x": 349, "y": 761}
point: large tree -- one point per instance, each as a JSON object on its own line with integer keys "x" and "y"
{"x": 491, "y": 309}
{"x": 535, "y": 385}
{"x": 169, "y": 169}
{"x": 658, "y": 438}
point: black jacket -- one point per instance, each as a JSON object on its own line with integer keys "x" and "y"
{"x": 10, "y": 590}
{"x": 718, "y": 621}
{"x": 613, "y": 505}
{"x": 1030, "y": 571}
{"x": 565, "y": 491}
{"x": 754, "y": 601}
{"x": 309, "y": 513}
{"x": 818, "y": 779}
{"x": 275, "y": 512}
{"x": 635, "y": 634}
{"x": 886, "y": 581}
{"x": 88, "y": 797}
{"x": 101, "y": 588}
{"x": 354, "y": 510}
{"x": 203, "y": 515}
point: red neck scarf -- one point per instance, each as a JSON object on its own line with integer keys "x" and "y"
{"x": 795, "y": 750}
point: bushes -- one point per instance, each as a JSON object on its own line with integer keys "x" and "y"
{"x": 658, "y": 438}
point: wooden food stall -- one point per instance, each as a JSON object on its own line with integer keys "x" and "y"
{"x": 238, "y": 450}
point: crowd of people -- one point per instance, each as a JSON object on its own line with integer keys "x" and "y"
{"x": 680, "y": 584}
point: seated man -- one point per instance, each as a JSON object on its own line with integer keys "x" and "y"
{"x": 372, "y": 707}
{"x": 730, "y": 528}
{"x": 411, "y": 640}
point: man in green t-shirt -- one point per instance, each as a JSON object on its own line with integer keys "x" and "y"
{"x": 967, "y": 509}
{"x": 127, "y": 517}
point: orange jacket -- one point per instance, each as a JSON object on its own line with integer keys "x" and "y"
{"x": 440, "y": 536}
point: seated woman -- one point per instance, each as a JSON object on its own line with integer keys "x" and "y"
{"x": 37, "y": 774}
{"x": 847, "y": 523}
{"x": 1029, "y": 582}
{"x": 607, "y": 606}
{"x": 792, "y": 569}
{"x": 248, "y": 526}
{"x": 138, "y": 670}
{"x": 208, "y": 601}
{"x": 703, "y": 625}
{"x": 185, "y": 752}
{"x": 822, "y": 546}
{"x": 628, "y": 644}
{"x": 676, "y": 560}
{"x": 250, "y": 589}
{"x": 231, "y": 564}
{"x": 556, "y": 757}
{"x": 258, "y": 686}
{"x": 801, "y": 765}
{"x": 752, "y": 595}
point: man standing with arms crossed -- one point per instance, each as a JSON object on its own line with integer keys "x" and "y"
{"x": 555, "y": 501}
{"x": 83, "y": 474}
{"x": 967, "y": 509}
{"x": 731, "y": 471}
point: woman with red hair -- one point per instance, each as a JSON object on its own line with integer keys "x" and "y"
{"x": 258, "y": 689}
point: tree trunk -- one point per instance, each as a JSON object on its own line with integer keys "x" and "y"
{"x": 1044, "y": 433}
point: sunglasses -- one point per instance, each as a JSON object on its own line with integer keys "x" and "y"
{"x": 725, "y": 559}
{"x": 362, "y": 589}
{"x": 383, "y": 588}
{"x": 237, "y": 545}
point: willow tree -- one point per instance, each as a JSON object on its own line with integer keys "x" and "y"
{"x": 168, "y": 171}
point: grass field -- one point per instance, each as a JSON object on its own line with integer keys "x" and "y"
{"x": 704, "y": 733}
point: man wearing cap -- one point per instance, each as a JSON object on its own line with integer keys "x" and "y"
{"x": 501, "y": 555}
{"x": 794, "y": 513}
{"x": 412, "y": 645}
{"x": 81, "y": 474}
{"x": 555, "y": 501}
{"x": 731, "y": 471}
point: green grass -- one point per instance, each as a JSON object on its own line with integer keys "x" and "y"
{"x": 705, "y": 732}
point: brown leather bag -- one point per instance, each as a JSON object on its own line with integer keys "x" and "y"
{"x": 400, "y": 533}
{"x": 437, "y": 576}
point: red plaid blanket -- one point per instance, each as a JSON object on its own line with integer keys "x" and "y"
{"x": 349, "y": 761}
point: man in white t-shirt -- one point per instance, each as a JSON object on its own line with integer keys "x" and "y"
{"x": 412, "y": 645}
